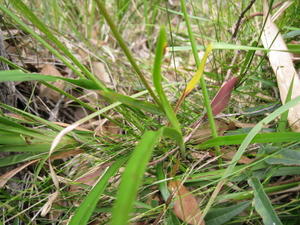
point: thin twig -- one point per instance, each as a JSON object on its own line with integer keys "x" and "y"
{"x": 238, "y": 23}
{"x": 257, "y": 14}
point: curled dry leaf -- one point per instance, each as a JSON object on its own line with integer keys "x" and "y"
{"x": 49, "y": 69}
{"x": 185, "y": 204}
{"x": 283, "y": 67}
{"x": 47, "y": 207}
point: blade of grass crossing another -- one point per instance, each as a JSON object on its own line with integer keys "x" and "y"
{"x": 149, "y": 107}
{"x": 18, "y": 75}
{"x": 133, "y": 174}
{"x": 274, "y": 137}
{"x": 174, "y": 134}
{"x": 121, "y": 42}
{"x": 283, "y": 122}
{"x": 254, "y": 131}
{"x": 132, "y": 177}
{"x": 86, "y": 208}
{"x": 263, "y": 204}
{"x": 206, "y": 99}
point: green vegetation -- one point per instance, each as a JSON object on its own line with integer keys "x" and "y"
{"x": 147, "y": 112}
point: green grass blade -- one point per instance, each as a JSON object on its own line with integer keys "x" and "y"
{"x": 122, "y": 8}
{"x": 149, "y": 107}
{"x": 14, "y": 159}
{"x": 277, "y": 137}
{"x": 222, "y": 215}
{"x": 89, "y": 84}
{"x": 40, "y": 39}
{"x": 17, "y": 75}
{"x": 26, "y": 148}
{"x": 163, "y": 187}
{"x": 181, "y": 14}
{"x": 11, "y": 139}
{"x": 247, "y": 61}
{"x": 283, "y": 122}
{"x": 237, "y": 196}
{"x": 10, "y": 63}
{"x": 86, "y": 208}
{"x": 227, "y": 46}
{"x": 174, "y": 134}
{"x": 286, "y": 157}
{"x": 255, "y": 130}
{"x": 30, "y": 116}
{"x": 132, "y": 177}
{"x": 263, "y": 204}
{"x": 157, "y": 78}
{"x": 11, "y": 126}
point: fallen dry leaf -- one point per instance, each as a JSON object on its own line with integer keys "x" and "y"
{"x": 70, "y": 153}
{"x": 49, "y": 69}
{"x": 5, "y": 177}
{"x": 243, "y": 160}
{"x": 100, "y": 72}
{"x": 283, "y": 67}
{"x": 89, "y": 178}
{"x": 203, "y": 133}
{"x": 108, "y": 128}
{"x": 185, "y": 204}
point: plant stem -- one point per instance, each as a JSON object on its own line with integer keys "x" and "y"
{"x": 202, "y": 81}
{"x": 124, "y": 47}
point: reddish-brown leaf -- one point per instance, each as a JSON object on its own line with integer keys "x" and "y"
{"x": 185, "y": 204}
{"x": 221, "y": 99}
